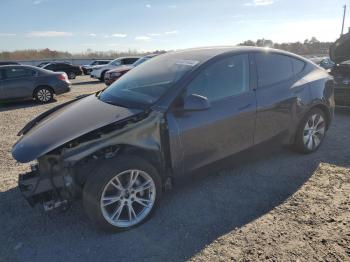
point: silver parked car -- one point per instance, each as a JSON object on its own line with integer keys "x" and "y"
{"x": 28, "y": 82}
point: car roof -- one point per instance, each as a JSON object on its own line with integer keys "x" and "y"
{"x": 18, "y": 66}
{"x": 203, "y": 54}
{"x": 124, "y": 57}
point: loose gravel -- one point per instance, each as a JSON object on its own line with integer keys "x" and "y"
{"x": 274, "y": 205}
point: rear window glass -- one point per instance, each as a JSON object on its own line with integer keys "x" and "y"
{"x": 298, "y": 65}
{"x": 273, "y": 68}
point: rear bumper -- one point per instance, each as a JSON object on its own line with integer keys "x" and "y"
{"x": 63, "y": 88}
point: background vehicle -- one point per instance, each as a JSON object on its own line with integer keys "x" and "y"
{"x": 178, "y": 112}
{"x": 99, "y": 71}
{"x": 340, "y": 54}
{"x": 71, "y": 70}
{"x": 87, "y": 68}
{"x": 114, "y": 74}
{"x": 28, "y": 82}
{"x": 42, "y": 64}
{"x": 8, "y": 63}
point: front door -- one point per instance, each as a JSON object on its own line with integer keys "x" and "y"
{"x": 198, "y": 138}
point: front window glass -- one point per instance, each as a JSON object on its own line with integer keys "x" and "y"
{"x": 224, "y": 78}
{"x": 146, "y": 83}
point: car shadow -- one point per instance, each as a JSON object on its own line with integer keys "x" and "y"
{"x": 201, "y": 207}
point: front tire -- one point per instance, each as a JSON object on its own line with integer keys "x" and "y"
{"x": 43, "y": 94}
{"x": 122, "y": 193}
{"x": 311, "y": 132}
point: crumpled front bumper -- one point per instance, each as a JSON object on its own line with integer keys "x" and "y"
{"x": 36, "y": 188}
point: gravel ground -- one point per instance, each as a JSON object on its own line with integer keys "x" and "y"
{"x": 274, "y": 205}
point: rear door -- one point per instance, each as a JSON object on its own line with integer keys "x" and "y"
{"x": 18, "y": 82}
{"x": 280, "y": 87}
{"x": 198, "y": 138}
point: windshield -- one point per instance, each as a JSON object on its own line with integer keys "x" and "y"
{"x": 146, "y": 83}
{"x": 115, "y": 62}
{"x": 140, "y": 61}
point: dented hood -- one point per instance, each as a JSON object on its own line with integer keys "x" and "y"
{"x": 340, "y": 51}
{"x": 66, "y": 124}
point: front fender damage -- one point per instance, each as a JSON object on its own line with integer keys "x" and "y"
{"x": 60, "y": 174}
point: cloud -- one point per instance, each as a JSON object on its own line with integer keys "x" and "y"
{"x": 172, "y": 6}
{"x": 148, "y": 6}
{"x": 48, "y": 34}
{"x": 154, "y": 34}
{"x": 143, "y": 38}
{"x": 88, "y": 44}
{"x": 38, "y": 2}
{"x": 119, "y": 35}
{"x": 260, "y": 3}
{"x": 92, "y": 34}
{"x": 174, "y": 32}
{"x": 7, "y": 34}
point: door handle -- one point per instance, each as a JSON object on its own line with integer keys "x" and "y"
{"x": 244, "y": 107}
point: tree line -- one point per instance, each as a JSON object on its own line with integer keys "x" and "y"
{"x": 308, "y": 47}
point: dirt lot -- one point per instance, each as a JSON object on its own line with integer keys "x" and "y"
{"x": 277, "y": 206}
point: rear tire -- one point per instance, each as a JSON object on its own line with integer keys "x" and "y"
{"x": 122, "y": 193}
{"x": 311, "y": 132}
{"x": 72, "y": 75}
{"x": 43, "y": 94}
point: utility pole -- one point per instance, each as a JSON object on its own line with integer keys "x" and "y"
{"x": 342, "y": 28}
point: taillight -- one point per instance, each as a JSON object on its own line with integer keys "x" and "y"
{"x": 63, "y": 77}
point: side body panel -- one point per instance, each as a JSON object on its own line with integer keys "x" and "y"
{"x": 201, "y": 137}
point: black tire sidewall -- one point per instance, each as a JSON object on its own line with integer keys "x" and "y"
{"x": 72, "y": 75}
{"x": 97, "y": 181}
{"x": 299, "y": 143}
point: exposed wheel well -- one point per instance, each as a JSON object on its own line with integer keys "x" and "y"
{"x": 86, "y": 166}
{"x": 40, "y": 86}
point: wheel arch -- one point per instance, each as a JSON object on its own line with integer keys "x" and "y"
{"x": 84, "y": 168}
{"x": 326, "y": 112}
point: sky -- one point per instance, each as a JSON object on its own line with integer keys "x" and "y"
{"x": 146, "y": 25}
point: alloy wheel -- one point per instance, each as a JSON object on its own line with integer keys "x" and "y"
{"x": 314, "y": 131}
{"x": 44, "y": 95}
{"x": 128, "y": 198}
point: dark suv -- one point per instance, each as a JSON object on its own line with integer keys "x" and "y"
{"x": 175, "y": 113}
{"x": 71, "y": 70}
{"x": 340, "y": 54}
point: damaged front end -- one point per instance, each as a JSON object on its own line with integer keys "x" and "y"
{"x": 60, "y": 174}
{"x": 47, "y": 183}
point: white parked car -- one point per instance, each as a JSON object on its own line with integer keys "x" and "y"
{"x": 100, "y": 70}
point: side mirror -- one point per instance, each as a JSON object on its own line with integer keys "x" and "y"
{"x": 196, "y": 103}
